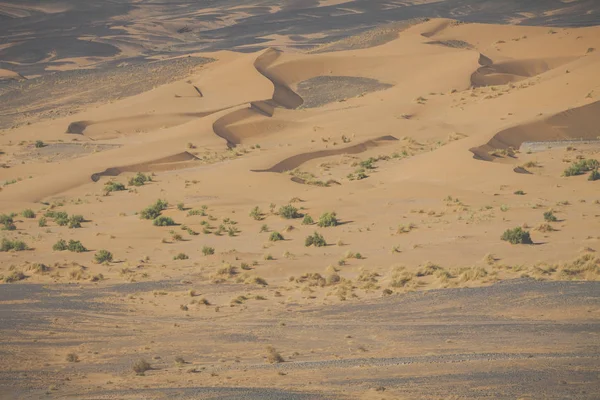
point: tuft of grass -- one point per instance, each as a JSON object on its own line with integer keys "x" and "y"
{"x": 289, "y": 212}
{"x": 75, "y": 246}
{"x": 207, "y": 251}
{"x": 42, "y": 222}
{"x": 428, "y": 269}
{"x": 61, "y": 245}
{"x": 328, "y": 219}
{"x": 472, "y": 274}
{"x": 549, "y": 216}
{"x": 517, "y": 236}
{"x": 545, "y": 228}
{"x": 181, "y": 206}
{"x": 14, "y": 276}
{"x": 103, "y": 256}
{"x": 273, "y": 356}
{"x": 7, "y": 222}
{"x": 28, "y": 213}
{"x": 163, "y": 221}
{"x": 275, "y": 237}
{"x": 112, "y": 186}
{"x": 141, "y": 366}
{"x": 257, "y": 214}
{"x": 307, "y": 220}
{"x": 75, "y": 221}
{"x": 594, "y": 176}
{"x": 406, "y": 228}
{"x": 316, "y": 240}
{"x": 181, "y": 256}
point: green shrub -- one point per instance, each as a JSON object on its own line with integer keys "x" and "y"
{"x": 550, "y": 217}
{"x": 61, "y": 245}
{"x": 42, "y": 222}
{"x": 307, "y": 220}
{"x": 39, "y": 144}
{"x": 139, "y": 179}
{"x": 141, "y": 366}
{"x": 289, "y": 212}
{"x": 164, "y": 221}
{"x": 76, "y": 246}
{"x": 517, "y": 236}
{"x": 196, "y": 212}
{"x": 7, "y": 222}
{"x": 368, "y": 163}
{"x": 61, "y": 218}
{"x": 113, "y": 186}
{"x": 207, "y": 251}
{"x": 16, "y": 245}
{"x": 75, "y": 221}
{"x": 519, "y": 193}
{"x": 181, "y": 206}
{"x": 315, "y": 240}
{"x": 581, "y": 166}
{"x": 594, "y": 176}
{"x": 102, "y": 256}
{"x": 256, "y": 213}
{"x": 275, "y": 237}
{"x": 181, "y": 256}
{"x": 327, "y": 219}
{"x": 28, "y": 213}
{"x": 153, "y": 211}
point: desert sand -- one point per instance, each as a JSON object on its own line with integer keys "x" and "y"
{"x": 330, "y": 215}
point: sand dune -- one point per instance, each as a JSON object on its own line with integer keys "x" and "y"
{"x": 247, "y": 284}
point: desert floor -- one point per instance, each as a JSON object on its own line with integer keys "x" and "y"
{"x": 309, "y": 220}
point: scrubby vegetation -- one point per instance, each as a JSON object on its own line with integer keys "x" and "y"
{"x": 181, "y": 256}
{"x": 28, "y": 213}
{"x": 273, "y": 355}
{"x": 256, "y": 213}
{"x": 75, "y": 246}
{"x": 139, "y": 179}
{"x": 207, "y": 251}
{"x": 153, "y": 211}
{"x": 594, "y": 176}
{"x": 275, "y": 237}
{"x": 61, "y": 245}
{"x": 7, "y": 222}
{"x": 289, "y": 212}
{"x": 15, "y": 245}
{"x": 103, "y": 256}
{"x": 307, "y": 220}
{"x": 549, "y": 216}
{"x": 141, "y": 366}
{"x": 113, "y": 186}
{"x": 316, "y": 240}
{"x": 517, "y": 236}
{"x": 163, "y": 221}
{"x": 582, "y": 166}
{"x": 328, "y": 219}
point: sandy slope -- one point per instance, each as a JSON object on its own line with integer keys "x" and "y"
{"x": 458, "y": 101}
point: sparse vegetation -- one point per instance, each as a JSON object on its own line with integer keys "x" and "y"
{"x": 327, "y": 219}
{"x": 316, "y": 240}
{"x": 103, "y": 256}
{"x": 594, "y": 176}
{"x": 14, "y": 276}
{"x": 275, "y": 237}
{"x": 582, "y": 166}
{"x": 141, "y": 366}
{"x": 181, "y": 256}
{"x": 14, "y": 245}
{"x": 7, "y": 222}
{"x": 517, "y": 236}
{"x": 549, "y": 216}
{"x": 28, "y": 213}
{"x": 75, "y": 221}
{"x": 207, "y": 251}
{"x": 75, "y": 246}
{"x": 153, "y": 211}
{"x": 289, "y": 212}
{"x": 113, "y": 186}
{"x": 72, "y": 357}
{"x": 61, "y": 245}
{"x": 257, "y": 214}
{"x": 39, "y": 144}
{"x": 139, "y": 179}
{"x": 163, "y": 221}
{"x": 273, "y": 356}
{"x": 307, "y": 220}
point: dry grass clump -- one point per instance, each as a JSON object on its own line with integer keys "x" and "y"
{"x": 401, "y": 278}
{"x": 141, "y": 366}
{"x": 255, "y": 280}
{"x": 312, "y": 279}
{"x": 472, "y": 274}
{"x": 72, "y": 357}
{"x": 406, "y": 228}
{"x": 585, "y": 267}
{"x": 38, "y": 268}
{"x": 14, "y": 276}
{"x": 545, "y": 228}
{"x": 273, "y": 356}
{"x": 428, "y": 269}
{"x": 226, "y": 271}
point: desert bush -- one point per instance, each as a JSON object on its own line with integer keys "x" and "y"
{"x": 61, "y": 218}
{"x": 42, "y": 222}
{"x": 139, "y": 179}
{"x": 76, "y": 246}
{"x": 113, "y": 186}
{"x": 550, "y": 217}
{"x": 153, "y": 211}
{"x": 207, "y": 251}
{"x": 75, "y": 221}
{"x": 315, "y": 240}
{"x": 39, "y": 144}
{"x": 273, "y": 356}
{"x": 28, "y": 213}
{"x": 256, "y": 213}
{"x": 61, "y": 245}
{"x": 163, "y": 221}
{"x": 327, "y": 219}
{"x": 181, "y": 206}
{"x": 72, "y": 357}
{"x": 16, "y": 245}
{"x": 517, "y": 236}
{"x": 289, "y": 212}
{"x": 102, "y": 256}
{"x": 141, "y": 366}
{"x": 275, "y": 236}
{"x": 582, "y": 166}
{"x": 428, "y": 269}
{"x": 307, "y": 220}
{"x": 181, "y": 256}
{"x": 594, "y": 176}
{"x": 7, "y": 222}
{"x": 196, "y": 212}
{"x": 519, "y": 193}
{"x": 14, "y": 276}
